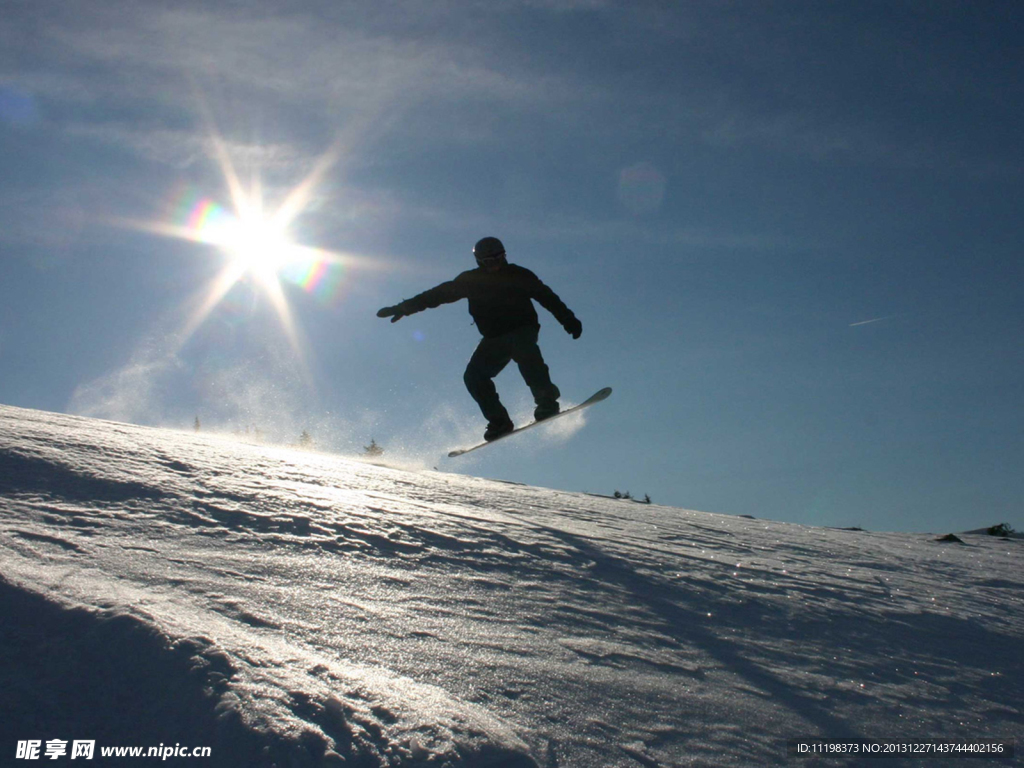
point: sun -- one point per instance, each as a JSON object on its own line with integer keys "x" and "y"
{"x": 255, "y": 243}
{"x": 256, "y": 246}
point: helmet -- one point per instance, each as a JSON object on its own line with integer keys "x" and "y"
{"x": 487, "y": 249}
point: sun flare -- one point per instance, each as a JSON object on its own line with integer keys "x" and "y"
{"x": 256, "y": 246}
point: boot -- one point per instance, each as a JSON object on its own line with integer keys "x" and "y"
{"x": 546, "y": 410}
{"x": 500, "y": 428}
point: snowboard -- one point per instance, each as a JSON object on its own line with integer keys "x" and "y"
{"x": 597, "y": 397}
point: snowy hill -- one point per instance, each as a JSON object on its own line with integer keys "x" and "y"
{"x": 296, "y": 609}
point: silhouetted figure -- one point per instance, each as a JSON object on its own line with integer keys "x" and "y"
{"x": 500, "y": 297}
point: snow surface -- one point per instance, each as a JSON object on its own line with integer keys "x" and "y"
{"x": 291, "y": 608}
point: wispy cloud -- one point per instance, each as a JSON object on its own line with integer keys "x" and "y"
{"x": 715, "y": 79}
{"x": 279, "y": 85}
{"x": 556, "y": 226}
{"x": 297, "y": 56}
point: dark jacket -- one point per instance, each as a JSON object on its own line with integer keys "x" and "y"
{"x": 499, "y": 301}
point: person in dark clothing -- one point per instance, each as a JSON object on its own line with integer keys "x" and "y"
{"x": 500, "y": 299}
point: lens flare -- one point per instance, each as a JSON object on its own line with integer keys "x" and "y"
{"x": 257, "y": 243}
{"x": 256, "y": 246}
{"x": 319, "y": 276}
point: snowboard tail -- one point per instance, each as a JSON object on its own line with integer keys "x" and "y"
{"x": 597, "y": 397}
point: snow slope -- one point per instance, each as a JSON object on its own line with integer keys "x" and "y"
{"x": 291, "y": 608}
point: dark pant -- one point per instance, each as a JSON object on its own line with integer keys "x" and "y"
{"x": 491, "y": 357}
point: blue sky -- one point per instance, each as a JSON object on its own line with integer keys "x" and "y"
{"x": 791, "y": 230}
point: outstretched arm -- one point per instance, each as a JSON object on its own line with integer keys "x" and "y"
{"x": 445, "y": 293}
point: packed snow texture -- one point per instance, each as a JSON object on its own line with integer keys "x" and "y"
{"x": 297, "y": 609}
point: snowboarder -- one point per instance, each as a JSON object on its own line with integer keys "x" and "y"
{"x": 500, "y": 303}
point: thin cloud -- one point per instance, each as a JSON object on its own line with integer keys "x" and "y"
{"x": 295, "y": 56}
{"x": 580, "y": 229}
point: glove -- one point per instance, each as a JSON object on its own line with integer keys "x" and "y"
{"x": 393, "y": 312}
{"x": 574, "y": 328}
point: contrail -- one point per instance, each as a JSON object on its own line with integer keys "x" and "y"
{"x": 875, "y": 320}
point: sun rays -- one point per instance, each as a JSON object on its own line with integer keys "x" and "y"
{"x": 256, "y": 244}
